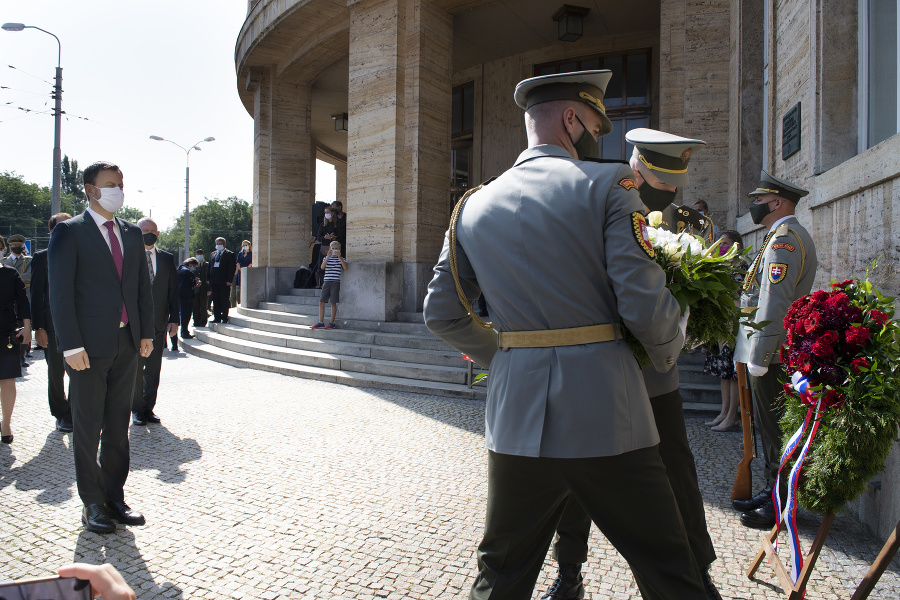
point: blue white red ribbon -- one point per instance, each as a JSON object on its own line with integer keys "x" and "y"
{"x": 801, "y": 384}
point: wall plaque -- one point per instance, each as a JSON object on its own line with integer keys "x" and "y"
{"x": 790, "y": 132}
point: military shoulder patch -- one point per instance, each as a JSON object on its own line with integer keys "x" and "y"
{"x": 783, "y": 245}
{"x": 628, "y": 184}
{"x": 777, "y": 272}
{"x": 639, "y": 225}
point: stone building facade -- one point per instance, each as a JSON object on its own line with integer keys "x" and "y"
{"x": 427, "y": 88}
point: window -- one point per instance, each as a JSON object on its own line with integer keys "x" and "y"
{"x": 462, "y": 124}
{"x": 627, "y": 98}
{"x": 878, "y": 60}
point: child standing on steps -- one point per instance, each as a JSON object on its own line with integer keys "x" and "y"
{"x": 333, "y": 265}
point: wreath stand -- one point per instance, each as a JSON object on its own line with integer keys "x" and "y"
{"x": 795, "y": 591}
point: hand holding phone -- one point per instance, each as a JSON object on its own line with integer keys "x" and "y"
{"x": 47, "y": 588}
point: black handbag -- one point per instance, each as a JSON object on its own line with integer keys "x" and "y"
{"x": 14, "y": 338}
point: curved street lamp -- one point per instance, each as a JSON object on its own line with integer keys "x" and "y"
{"x": 57, "y": 114}
{"x": 187, "y": 185}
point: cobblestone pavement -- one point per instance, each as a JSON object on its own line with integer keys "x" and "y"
{"x": 258, "y": 485}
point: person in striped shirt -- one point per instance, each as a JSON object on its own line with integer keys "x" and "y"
{"x": 333, "y": 264}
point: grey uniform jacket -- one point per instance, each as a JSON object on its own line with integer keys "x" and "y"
{"x": 783, "y": 271}
{"x": 553, "y": 244}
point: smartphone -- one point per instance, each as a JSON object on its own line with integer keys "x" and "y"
{"x": 46, "y": 588}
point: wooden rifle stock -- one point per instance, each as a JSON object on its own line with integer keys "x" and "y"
{"x": 743, "y": 479}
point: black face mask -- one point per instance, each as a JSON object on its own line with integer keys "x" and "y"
{"x": 149, "y": 239}
{"x": 655, "y": 199}
{"x": 586, "y": 146}
{"x": 16, "y": 249}
{"x": 758, "y": 212}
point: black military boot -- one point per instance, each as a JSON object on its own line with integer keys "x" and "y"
{"x": 568, "y": 585}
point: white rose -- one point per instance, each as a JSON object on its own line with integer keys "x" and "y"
{"x": 654, "y": 218}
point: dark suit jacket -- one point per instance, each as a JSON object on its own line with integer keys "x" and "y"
{"x": 86, "y": 294}
{"x": 225, "y": 271}
{"x": 40, "y": 293}
{"x": 165, "y": 291}
{"x": 185, "y": 282}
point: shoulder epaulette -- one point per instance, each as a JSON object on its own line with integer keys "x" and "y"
{"x": 782, "y": 230}
{"x": 691, "y": 217}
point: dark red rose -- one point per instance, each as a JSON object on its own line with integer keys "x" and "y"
{"x": 832, "y": 399}
{"x": 819, "y": 296}
{"x": 842, "y": 284}
{"x": 823, "y": 350}
{"x": 857, "y": 336}
{"x": 856, "y": 363}
{"x": 879, "y": 317}
{"x": 830, "y": 337}
{"x": 837, "y": 301}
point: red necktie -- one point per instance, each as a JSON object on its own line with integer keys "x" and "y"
{"x": 116, "y": 250}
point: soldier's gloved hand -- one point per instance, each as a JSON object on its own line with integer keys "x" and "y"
{"x": 682, "y": 323}
{"x": 756, "y": 370}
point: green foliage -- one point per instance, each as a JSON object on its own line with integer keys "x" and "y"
{"x": 854, "y": 439}
{"x": 130, "y": 213}
{"x": 72, "y": 180}
{"x": 231, "y": 219}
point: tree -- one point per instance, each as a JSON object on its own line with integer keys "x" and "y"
{"x": 24, "y": 207}
{"x": 130, "y": 213}
{"x": 72, "y": 178}
{"x": 231, "y": 219}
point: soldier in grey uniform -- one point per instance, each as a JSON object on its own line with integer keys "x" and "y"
{"x": 660, "y": 164}
{"x": 567, "y": 410}
{"x": 783, "y": 270}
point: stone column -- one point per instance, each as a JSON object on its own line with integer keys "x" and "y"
{"x": 693, "y": 92}
{"x": 745, "y": 143}
{"x": 340, "y": 181}
{"x": 284, "y": 172}
{"x": 398, "y": 153}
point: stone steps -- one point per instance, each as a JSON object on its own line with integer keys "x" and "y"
{"x": 398, "y": 355}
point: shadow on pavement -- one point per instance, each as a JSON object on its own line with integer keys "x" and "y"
{"x": 153, "y": 447}
{"x": 120, "y": 550}
{"x": 464, "y": 414}
{"x": 52, "y": 471}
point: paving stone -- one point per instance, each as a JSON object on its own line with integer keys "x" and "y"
{"x": 259, "y": 485}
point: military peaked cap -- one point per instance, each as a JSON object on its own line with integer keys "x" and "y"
{"x": 664, "y": 154}
{"x": 769, "y": 184}
{"x": 588, "y": 87}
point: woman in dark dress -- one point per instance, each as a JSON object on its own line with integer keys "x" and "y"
{"x": 14, "y": 308}
{"x": 327, "y": 233}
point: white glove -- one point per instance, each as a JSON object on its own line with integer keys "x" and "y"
{"x": 757, "y": 371}
{"x": 682, "y": 323}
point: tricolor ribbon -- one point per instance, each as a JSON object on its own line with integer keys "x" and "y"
{"x": 801, "y": 384}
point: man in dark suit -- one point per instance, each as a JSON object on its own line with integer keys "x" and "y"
{"x": 164, "y": 283}
{"x": 221, "y": 272}
{"x": 102, "y": 306}
{"x": 201, "y": 300}
{"x": 45, "y": 334}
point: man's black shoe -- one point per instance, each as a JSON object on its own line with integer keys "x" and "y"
{"x": 568, "y": 585}
{"x": 186, "y": 336}
{"x": 711, "y": 592}
{"x": 139, "y": 420}
{"x": 761, "y": 518}
{"x": 125, "y": 515}
{"x": 94, "y": 519}
{"x": 152, "y": 418}
{"x": 743, "y": 505}
{"x": 64, "y": 424}
{"x": 215, "y": 321}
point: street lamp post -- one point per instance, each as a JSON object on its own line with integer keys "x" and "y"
{"x": 57, "y": 115}
{"x": 187, "y": 185}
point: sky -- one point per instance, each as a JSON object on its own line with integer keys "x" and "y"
{"x": 131, "y": 70}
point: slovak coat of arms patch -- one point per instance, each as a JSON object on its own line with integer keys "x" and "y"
{"x": 777, "y": 272}
{"x": 639, "y": 225}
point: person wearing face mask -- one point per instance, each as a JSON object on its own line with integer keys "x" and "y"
{"x": 567, "y": 413}
{"x": 340, "y": 225}
{"x": 244, "y": 259}
{"x": 660, "y": 165}
{"x": 782, "y": 271}
{"x": 200, "y": 306}
{"x": 166, "y": 314}
{"x": 19, "y": 260}
{"x": 327, "y": 233}
{"x": 102, "y": 303}
{"x": 221, "y": 273}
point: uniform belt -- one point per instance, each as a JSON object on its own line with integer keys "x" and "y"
{"x": 549, "y": 338}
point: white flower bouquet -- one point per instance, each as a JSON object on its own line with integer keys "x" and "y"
{"x": 700, "y": 278}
